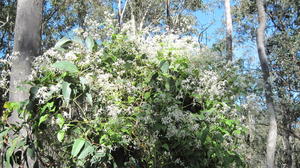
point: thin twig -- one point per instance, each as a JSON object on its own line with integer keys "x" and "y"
{"x": 4, "y": 23}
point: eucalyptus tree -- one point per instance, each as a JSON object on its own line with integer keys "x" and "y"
{"x": 228, "y": 30}
{"x": 284, "y": 51}
{"x": 177, "y": 13}
{"x": 260, "y": 40}
{"x": 27, "y": 44}
{"x": 282, "y": 39}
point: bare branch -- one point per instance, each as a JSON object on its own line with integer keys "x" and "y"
{"x": 144, "y": 16}
{"x": 4, "y": 23}
{"x": 123, "y": 11}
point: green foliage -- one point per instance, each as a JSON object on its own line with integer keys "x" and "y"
{"x": 123, "y": 109}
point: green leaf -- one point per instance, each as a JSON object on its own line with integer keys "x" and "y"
{"x": 77, "y": 145}
{"x": 165, "y": 146}
{"x": 131, "y": 99}
{"x": 60, "y": 135}
{"x": 14, "y": 145}
{"x": 43, "y": 118}
{"x": 47, "y": 106}
{"x": 237, "y": 132}
{"x": 65, "y": 66}
{"x": 97, "y": 156}
{"x": 78, "y": 40}
{"x": 9, "y": 153}
{"x": 33, "y": 91}
{"x": 83, "y": 82}
{"x": 204, "y": 135}
{"x": 167, "y": 85}
{"x": 164, "y": 66}
{"x": 21, "y": 143}
{"x": 66, "y": 91}
{"x": 7, "y": 164}
{"x": 89, "y": 98}
{"x": 60, "y": 120}
{"x": 62, "y": 42}
{"x": 90, "y": 43}
{"x": 88, "y": 149}
{"x": 12, "y": 105}
{"x": 4, "y": 133}
{"x": 147, "y": 95}
{"x": 229, "y": 122}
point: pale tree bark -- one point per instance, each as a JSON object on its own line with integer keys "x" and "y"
{"x": 121, "y": 11}
{"x": 144, "y": 16}
{"x": 260, "y": 40}
{"x": 229, "y": 50}
{"x": 27, "y": 44}
{"x": 132, "y": 18}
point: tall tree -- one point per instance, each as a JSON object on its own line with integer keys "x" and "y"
{"x": 27, "y": 44}
{"x": 283, "y": 52}
{"x": 228, "y": 30}
{"x": 260, "y": 40}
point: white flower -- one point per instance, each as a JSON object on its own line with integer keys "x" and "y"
{"x": 166, "y": 120}
{"x": 70, "y": 56}
{"x": 85, "y": 34}
{"x": 113, "y": 110}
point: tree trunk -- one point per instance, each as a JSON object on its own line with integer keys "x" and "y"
{"x": 286, "y": 134}
{"x": 287, "y": 148}
{"x": 169, "y": 21}
{"x": 119, "y": 13}
{"x": 229, "y": 51}
{"x": 27, "y": 44}
{"x": 144, "y": 16}
{"x": 132, "y": 18}
{"x": 260, "y": 40}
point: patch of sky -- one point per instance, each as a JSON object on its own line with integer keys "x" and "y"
{"x": 212, "y": 20}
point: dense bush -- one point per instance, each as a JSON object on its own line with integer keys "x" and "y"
{"x": 148, "y": 101}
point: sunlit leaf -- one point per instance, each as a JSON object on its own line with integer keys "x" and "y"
{"x": 78, "y": 40}
{"x": 9, "y": 153}
{"x": 66, "y": 91}
{"x": 77, "y": 146}
{"x": 60, "y": 120}
{"x": 62, "y": 42}
{"x": 43, "y": 118}
{"x": 90, "y": 43}
{"x": 164, "y": 66}
{"x": 88, "y": 149}
{"x": 65, "y": 66}
{"x": 60, "y": 135}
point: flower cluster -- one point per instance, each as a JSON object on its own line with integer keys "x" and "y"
{"x": 141, "y": 92}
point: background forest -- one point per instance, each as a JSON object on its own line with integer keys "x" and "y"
{"x": 140, "y": 84}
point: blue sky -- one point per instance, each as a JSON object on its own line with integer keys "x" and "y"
{"x": 215, "y": 17}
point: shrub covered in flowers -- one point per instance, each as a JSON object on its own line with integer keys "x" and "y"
{"x": 142, "y": 100}
{"x": 4, "y": 84}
